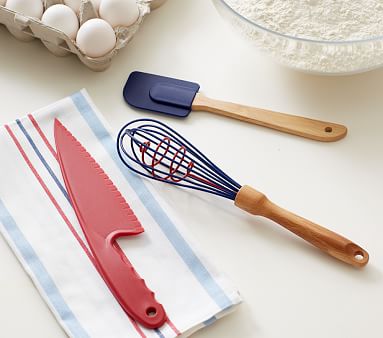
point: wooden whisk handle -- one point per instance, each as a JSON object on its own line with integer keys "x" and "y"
{"x": 328, "y": 241}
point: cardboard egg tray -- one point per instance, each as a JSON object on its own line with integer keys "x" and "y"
{"x": 26, "y": 29}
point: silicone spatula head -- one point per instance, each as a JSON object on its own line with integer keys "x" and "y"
{"x": 160, "y": 94}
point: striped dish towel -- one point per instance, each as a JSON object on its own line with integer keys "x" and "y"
{"x": 38, "y": 222}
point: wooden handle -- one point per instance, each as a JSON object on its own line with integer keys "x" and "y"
{"x": 330, "y": 242}
{"x": 296, "y": 125}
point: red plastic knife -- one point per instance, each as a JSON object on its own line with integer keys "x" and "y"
{"x": 105, "y": 216}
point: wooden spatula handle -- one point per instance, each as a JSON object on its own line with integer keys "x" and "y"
{"x": 296, "y": 125}
{"x": 328, "y": 241}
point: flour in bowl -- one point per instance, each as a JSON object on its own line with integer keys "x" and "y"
{"x": 316, "y": 19}
{"x": 357, "y": 25}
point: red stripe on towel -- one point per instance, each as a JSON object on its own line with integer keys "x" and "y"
{"x": 173, "y": 327}
{"x": 42, "y": 135}
{"x": 44, "y": 186}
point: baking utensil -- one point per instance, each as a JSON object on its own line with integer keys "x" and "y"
{"x": 154, "y": 150}
{"x": 104, "y": 216}
{"x": 177, "y": 97}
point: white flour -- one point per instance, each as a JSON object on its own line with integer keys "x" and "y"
{"x": 325, "y": 20}
{"x": 316, "y": 19}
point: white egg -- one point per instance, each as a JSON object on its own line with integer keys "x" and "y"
{"x": 75, "y": 4}
{"x": 96, "y": 38}
{"x": 32, "y": 8}
{"x": 2, "y": 2}
{"x": 119, "y": 12}
{"x": 62, "y": 18}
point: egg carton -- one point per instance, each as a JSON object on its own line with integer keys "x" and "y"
{"x": 26, "y": 29}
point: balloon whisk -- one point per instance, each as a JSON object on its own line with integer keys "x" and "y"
{"x": 154, "y": 150}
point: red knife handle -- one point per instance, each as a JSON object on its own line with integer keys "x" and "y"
{"x": 128, "y": 287}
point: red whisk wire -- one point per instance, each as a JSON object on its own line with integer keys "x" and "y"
{"x": 172, "y": 171}
{"x": 159, "y": 152}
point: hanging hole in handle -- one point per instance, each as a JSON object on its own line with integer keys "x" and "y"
{"x": 151, "y": 311}
{"x": 328, "y": 129}
{"x": 359, "y": 256}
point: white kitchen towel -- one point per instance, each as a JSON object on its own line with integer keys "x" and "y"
{"x": 38, "y": 222}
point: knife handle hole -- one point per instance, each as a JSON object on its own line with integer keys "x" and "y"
{"x": 151, "y": 311}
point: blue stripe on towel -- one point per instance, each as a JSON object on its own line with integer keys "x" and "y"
{"x": 41, "y": 274}
{"x": 42, "y": 159}
{"x": 165, "y": 223}
{"x": 159, "y": 333}
{"x": 210, "y": 321}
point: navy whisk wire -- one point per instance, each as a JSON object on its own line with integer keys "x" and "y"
{"x": 152, "y": 149}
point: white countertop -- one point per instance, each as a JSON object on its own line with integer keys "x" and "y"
{"x": 290, "y": 289}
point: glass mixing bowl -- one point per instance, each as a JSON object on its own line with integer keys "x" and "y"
{"x": 311, "y": 56}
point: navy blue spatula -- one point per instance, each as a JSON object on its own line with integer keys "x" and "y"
{"x": 175, "y": 97}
